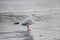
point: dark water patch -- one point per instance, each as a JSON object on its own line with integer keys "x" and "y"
{"x": 41, "y": 35}
{"x": 29, "y": 38}
{"x": 27, "y": 35}
{"x": 5, "y": 32}
{"x": 10, "y": 32}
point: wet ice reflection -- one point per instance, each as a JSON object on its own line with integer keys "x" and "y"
{"x": 17, "y": 34}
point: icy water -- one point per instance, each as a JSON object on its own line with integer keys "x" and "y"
{"x": 44, "y": 28}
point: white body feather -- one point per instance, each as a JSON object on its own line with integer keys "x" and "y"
{"x": 28, "y": 21}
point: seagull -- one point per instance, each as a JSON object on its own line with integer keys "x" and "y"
{"x": 28, "y": 21}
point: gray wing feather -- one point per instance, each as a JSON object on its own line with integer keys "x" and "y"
{"x": 27, "y": 22}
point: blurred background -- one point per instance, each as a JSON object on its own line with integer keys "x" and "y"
{"x": 47, "y": 19}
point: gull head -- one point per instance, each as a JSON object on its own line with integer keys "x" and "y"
{"x": 33, "y": 14}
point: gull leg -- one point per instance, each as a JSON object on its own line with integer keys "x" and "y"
{"x": 28, "y": 29}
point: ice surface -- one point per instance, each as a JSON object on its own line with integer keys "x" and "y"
{"x": 45, "y": 27}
